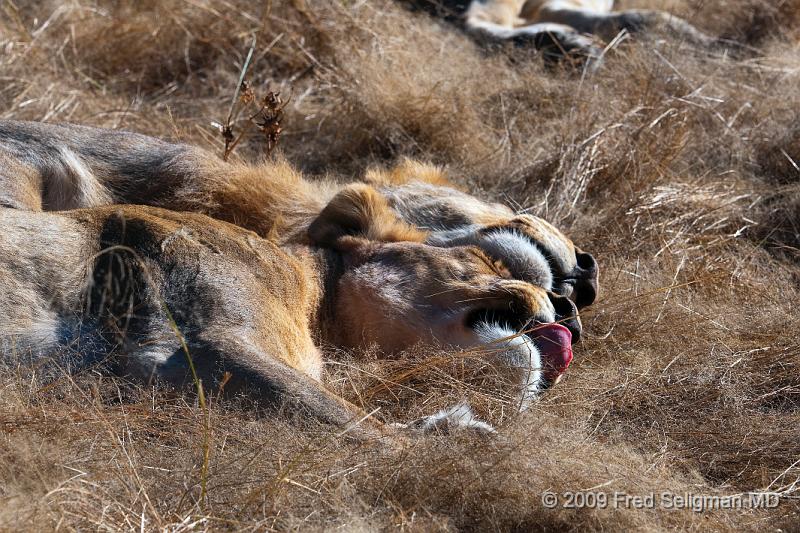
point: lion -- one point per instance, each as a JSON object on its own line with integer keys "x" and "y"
{"x": 48, "y": 167}
{"x": 147, "y": 293}
{"x": 419, "y": 222}
{"x": 560, "y": 27}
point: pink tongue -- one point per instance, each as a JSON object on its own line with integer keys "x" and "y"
{"x": 555, "y": 346}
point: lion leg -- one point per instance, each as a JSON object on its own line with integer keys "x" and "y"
{"x": 54, "y": 167}
{"x": 51, "y": 167}
{"x": 232, "y": 368}
{"x": 459, "y": 417}
{"x": 555, "y": 40}
{"x": 608, "y": 25}
{"x": 275, "y": 385}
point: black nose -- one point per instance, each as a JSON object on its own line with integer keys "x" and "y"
{"x": 567, "y": 315}
{"x": 585, "y": 275}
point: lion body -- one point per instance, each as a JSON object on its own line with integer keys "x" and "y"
{"x": 257, "y": 268}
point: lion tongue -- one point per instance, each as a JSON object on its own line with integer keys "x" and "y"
{"x": 555, "y": 346}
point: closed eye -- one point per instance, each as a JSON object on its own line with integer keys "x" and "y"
{"x": 549, "y": 257}
{"x": 520, "y": 254}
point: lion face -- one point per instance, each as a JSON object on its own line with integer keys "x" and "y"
{"x": 532, "y": 248}
{"x": 397, "y": 295}
{"x": 396, "y": 291}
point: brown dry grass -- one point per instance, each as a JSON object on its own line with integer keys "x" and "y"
{"x": 678, "y": 169}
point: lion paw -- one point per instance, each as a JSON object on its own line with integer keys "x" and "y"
{"x": 460, "y": 417}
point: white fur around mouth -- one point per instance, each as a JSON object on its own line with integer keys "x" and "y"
{"x": 518, "y": 353}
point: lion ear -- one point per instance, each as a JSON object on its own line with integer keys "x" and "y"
{"x": 362, "y": 212}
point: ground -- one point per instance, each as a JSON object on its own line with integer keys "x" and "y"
{"x": 679, "y": 169}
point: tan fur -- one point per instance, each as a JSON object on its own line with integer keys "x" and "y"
{"x": 407, "y": 171}
{"x": 505, "y": 13}
{"x": 361, "y": 206}
{"x": 24, "y": 191}
{"x": 406, "y": 260}
{"x": 272, "y": 198}
{"x": 103, "y": 279}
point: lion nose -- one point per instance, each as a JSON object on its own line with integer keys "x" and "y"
{"x": 567, "y": 315}
{"x": 585, "y": 275}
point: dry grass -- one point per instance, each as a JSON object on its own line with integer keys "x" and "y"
{"x": 677, "y": 168}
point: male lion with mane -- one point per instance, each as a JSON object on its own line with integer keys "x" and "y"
{"x": 259, "y": 269}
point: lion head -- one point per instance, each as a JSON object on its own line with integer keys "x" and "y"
{"x": 396, "y": 290}
{"x": 531, "y": 248}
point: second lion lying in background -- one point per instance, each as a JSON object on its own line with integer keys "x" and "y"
{"x": 560, "y": 26}
{"x": 509, "y": 283}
